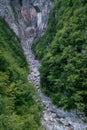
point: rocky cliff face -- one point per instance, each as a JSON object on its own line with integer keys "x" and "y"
{"x": 7, "y": 13}
{"x": 28, "y": 18}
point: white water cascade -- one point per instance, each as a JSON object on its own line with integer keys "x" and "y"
{"x": 39, "y": 19}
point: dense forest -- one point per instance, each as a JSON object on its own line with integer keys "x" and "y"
{"x": 18, "y": 109}
{"x": 63, "y": 54}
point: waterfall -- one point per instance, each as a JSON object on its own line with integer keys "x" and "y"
{"x": 39, "y": 19}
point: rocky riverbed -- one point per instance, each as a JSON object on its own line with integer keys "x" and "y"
{"x": 53, "y": 117}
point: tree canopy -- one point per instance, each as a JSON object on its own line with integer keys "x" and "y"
{"x": 64, "y": 59}
{"x": 18, "y": 109}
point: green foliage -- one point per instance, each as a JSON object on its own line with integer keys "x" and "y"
{"x": 64, "y": 59}
{"x": 18, "y": 109}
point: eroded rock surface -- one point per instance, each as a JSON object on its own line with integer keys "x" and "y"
{"x": 24, "y": 14}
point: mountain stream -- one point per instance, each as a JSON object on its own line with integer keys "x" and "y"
{"x": 53, "y": 118}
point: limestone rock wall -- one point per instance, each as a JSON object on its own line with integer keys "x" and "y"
{"x": 7, "y": 13}
{"x": 28, "y": 18}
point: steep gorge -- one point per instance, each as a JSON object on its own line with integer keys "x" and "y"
{"x": 29, "y": 20}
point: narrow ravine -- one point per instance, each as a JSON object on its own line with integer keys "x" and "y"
{"x": 53, "y": 117}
